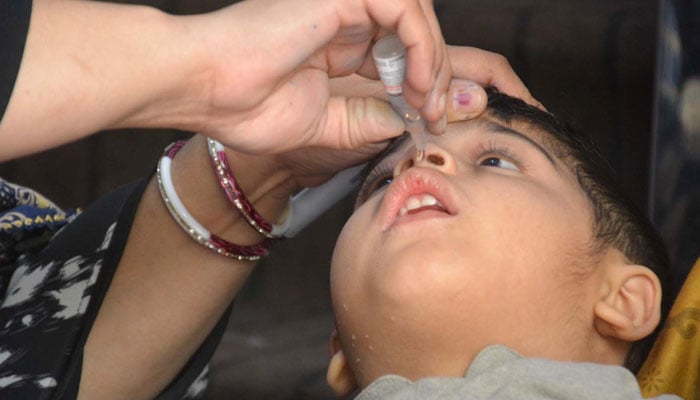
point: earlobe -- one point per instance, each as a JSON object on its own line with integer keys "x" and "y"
{"x": 339, "y": 375}
{"x": 630, "y": 308}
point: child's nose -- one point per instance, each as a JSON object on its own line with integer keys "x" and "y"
{"x": 435, "y": 157}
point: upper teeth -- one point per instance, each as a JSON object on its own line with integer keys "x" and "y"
{"x": 419, "y": 201}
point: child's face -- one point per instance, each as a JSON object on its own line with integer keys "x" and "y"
{"x": 503, "y": 257}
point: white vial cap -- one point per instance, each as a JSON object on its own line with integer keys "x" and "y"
{"x": 390, "y": 58}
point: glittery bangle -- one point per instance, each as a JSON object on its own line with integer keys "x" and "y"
{"x": 190, "y": 225}
{"x": 234, "y": 193}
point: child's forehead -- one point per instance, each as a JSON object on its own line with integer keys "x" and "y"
{"x": 488, "y": 124}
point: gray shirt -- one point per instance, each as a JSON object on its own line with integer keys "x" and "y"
{"x": 500, "y": 373}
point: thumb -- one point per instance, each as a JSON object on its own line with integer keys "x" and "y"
{"x": 469, "y": 100}
{"x": 353, "y": 122}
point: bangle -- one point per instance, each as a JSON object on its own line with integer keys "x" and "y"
{"x": 190, "y": 225}
{"x": 233, "y": 192}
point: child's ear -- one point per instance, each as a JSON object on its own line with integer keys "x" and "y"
{"x": 630, "y": 305}
{"x": 339, "y": 375}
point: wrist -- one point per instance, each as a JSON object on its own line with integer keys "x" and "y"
{"x": 265, "y": 183}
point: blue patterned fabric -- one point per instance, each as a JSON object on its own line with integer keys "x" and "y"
{"x": 27, "y": 220}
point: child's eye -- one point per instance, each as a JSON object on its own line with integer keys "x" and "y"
{"x": 498, "y": 162}
{"x": 376, "y": 184}
{"x": 380, "y": 183}
{"x": 371, "y": 186}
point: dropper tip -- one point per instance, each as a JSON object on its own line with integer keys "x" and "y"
{"x": 419, "y": 137}
{"x": 420, "y": 155}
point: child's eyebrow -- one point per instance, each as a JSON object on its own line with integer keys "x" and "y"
{"x": 495, "y": 127}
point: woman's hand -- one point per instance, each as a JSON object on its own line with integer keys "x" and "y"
{"x": 474, "y": 67}
{"x": 489, "y": 69}
{"x": 254, "y": 75}
{"x": 271, "y": 62}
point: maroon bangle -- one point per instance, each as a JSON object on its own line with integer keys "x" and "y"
{"x": 193, "y": 228}
{"x": 233, "y": 191}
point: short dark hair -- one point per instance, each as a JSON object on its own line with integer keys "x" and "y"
{"x": 618, "y": 222}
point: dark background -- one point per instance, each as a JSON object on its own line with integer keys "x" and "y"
{"x": 589, "y": 60}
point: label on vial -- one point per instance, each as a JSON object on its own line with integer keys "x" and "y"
{"x": 392, "y": 72}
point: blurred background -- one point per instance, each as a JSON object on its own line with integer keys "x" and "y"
{"x": 593, "y": 61}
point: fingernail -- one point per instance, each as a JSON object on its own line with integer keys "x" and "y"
{"x": 464, "y": 98}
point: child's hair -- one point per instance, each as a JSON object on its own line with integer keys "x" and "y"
{"x": 617, "y": 220}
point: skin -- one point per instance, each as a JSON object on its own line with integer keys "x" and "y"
{"x": 195, "y": 285}
{"x": 435, "y": 288}
{"x": 145, "y": 333}
{"x": 197, "y": 80}
{"x": 204, "y": 78}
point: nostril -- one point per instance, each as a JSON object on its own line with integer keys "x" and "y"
{"x": 436, "y": 159}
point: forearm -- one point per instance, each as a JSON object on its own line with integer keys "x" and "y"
{"x": 126, "y": 66}
{"x": 168, "y": 291}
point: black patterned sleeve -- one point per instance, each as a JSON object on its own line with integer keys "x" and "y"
{"x": 54, "y": 295}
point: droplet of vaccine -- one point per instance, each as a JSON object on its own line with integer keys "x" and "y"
{"x": 412, "y": 116}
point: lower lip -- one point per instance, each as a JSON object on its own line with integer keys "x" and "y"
{"x": 421, "y": 216}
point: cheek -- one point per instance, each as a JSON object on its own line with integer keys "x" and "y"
{"x": 526, "y": 216}
{"x": 343, "y": 262}
{"x": 351, "y": 257}
{"x": 532, "y": 236}
{"x": 507, "y": 246}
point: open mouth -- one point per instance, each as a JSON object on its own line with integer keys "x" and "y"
{"x": 417, "y": 192}
{"x": 423, "y": 202}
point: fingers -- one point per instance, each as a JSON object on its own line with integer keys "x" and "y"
{"x": 434, "y": 111}
{"x": 356, "y": 86}
{"x": 467, "y": 100}
{"x": 487, "y": 68}
{"x": 353, "y": 122}
{"x": 357, "y": 121}
{"x": 416, "y": 25}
